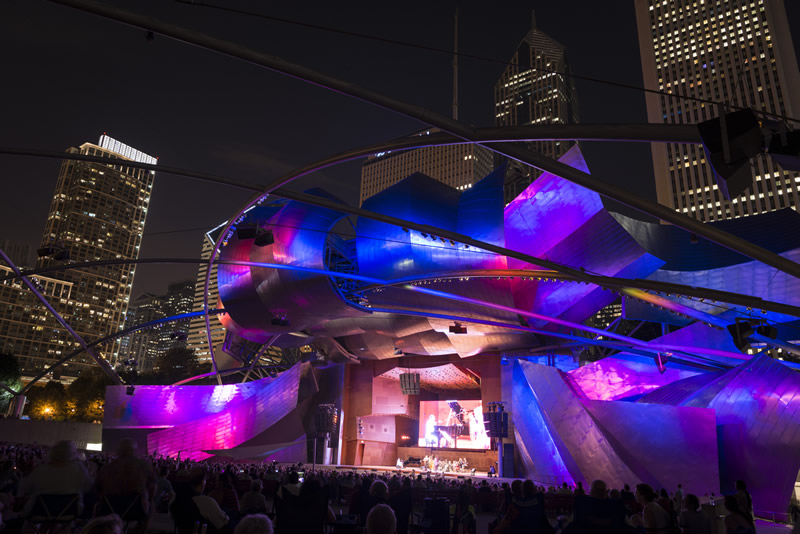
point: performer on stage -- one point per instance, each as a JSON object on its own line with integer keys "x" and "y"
{"x": 399, "y": 463}
{"x": 431, "y": 435}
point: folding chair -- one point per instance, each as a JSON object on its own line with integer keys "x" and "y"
{"x": 51, "y": 512}
{"x": 128, "y": 507}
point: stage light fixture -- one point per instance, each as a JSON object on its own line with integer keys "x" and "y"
{"x": 398, "y": 351}
{"x": 729, "y": 145}
{"x": 458, "y": 328}
{"x": 409, "y": 383}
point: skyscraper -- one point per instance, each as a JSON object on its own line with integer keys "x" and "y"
{"x": 534, "y": 90}
{"x": 98, "y": 213}
{"x": 144, "y": 347}
{"x": 735, "y": 52}
{"x": 197, "y": 339}
{"x": 459, "y": 166}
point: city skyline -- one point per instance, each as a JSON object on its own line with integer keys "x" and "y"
{"x": 235, "y": 122}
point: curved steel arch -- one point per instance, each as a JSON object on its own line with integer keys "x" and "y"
{"x": 456, "y": 128}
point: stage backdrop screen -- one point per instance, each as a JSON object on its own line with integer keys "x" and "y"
{"x": 452, "y": 424}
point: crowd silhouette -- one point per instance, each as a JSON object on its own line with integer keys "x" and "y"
{"x": 59, "y": 489}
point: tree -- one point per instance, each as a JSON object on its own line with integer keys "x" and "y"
{"x": 48, "y": 402}
{"x": 177, "y": 363}
{"x": 9, "y": 377}
{"x": 86, "y": 396}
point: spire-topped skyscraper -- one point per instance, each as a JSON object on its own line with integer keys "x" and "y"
{"x": 534, "y": 90}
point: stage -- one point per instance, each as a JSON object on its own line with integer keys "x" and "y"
{"x": 408, "y": 471}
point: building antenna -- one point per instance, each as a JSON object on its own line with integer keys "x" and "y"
{"x": 533, "y": 19}
{"x": 455, "y": 70}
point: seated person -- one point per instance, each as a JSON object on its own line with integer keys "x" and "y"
{"x": 63, "y": 474}
{"x": 191, "y": 506}
{"x": 254, "y": 524}
{"x": 253, "y": 502}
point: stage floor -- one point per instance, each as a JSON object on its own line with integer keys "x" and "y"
{"x": 479, "y": 475}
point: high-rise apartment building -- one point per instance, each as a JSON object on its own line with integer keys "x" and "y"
{"x": 141, "y": 349}
{"x": 735, "y": 52}
{"x": 197, "y": 339}
{"x": 459, "y": 166}
{"x": 533, "y": 89}
{"x": 27, "y": 329}
{"x": 97, "y": 213}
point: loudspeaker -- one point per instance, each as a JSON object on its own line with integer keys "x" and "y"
{"x": 409, "y": 383}
{"x": 744, "y": 141}
{"x": 496, "y": 424}
{"x": 786, "y": 155}
{"x": 247, "y": 231}
{"x": 767, "y": 330}
{"x": 740, "y": 331}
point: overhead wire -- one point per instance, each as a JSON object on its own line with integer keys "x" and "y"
{"x": 464, "y": 55}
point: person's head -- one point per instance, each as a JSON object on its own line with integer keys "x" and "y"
{"x": 256, "y": 486}
{"x": 598, "y": 489}
{"x": 254, "y": 524}
{"x": 294, "y": 478}
{"x": 63, "y": 452}
{"x": 741, "y": 486}
{"x": 197, "y": 479}
{"x": 105, "y": 524}
{"x": 516, "y": 488}
{"x": 663, "y": 494}
{"x": 379, "y": 490}
{"x": 645, "y": 493}
{"x": 126, "y": 449}
{"x": 626, "y": 487}
{"x": 679, "y": 486}
{"x": 528, "y": 489}
{"x": 380, "y": 520}
{"x": 565, "y": 485}
{"x": 692, "y": 502}
{"x": 614, "y": 495}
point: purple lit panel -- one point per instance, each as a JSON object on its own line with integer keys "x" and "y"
{"x": 615, "y": 378}
{"x": 166, "y": 406}
{"x": 548, "y": 211}
{"x": 664, "y": 445}
{"x": 758, "y": 413}
{"x": 566, "y": 436}
{"x": 237, "y": 423}
{"x": 584, "y": 449}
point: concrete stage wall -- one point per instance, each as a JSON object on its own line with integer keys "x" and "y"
{"x": 49, "y": 432}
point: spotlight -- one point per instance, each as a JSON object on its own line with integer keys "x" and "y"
{"x": 398, "y": 351}
{"x": 129, "y": 390}
{"x": 504, "y": 361}
{"x": 423, "y": 234}
{"x": 453, "y": 243}
{"x": 729, "y": 147}
{"x": 405, "y": 229}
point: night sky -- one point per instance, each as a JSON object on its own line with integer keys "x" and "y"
{"x": 70, "y": 76}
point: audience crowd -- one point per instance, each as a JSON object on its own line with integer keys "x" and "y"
{"x": 97, "y": 493}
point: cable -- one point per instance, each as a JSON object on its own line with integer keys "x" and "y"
{"x": 360, "y": 35}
